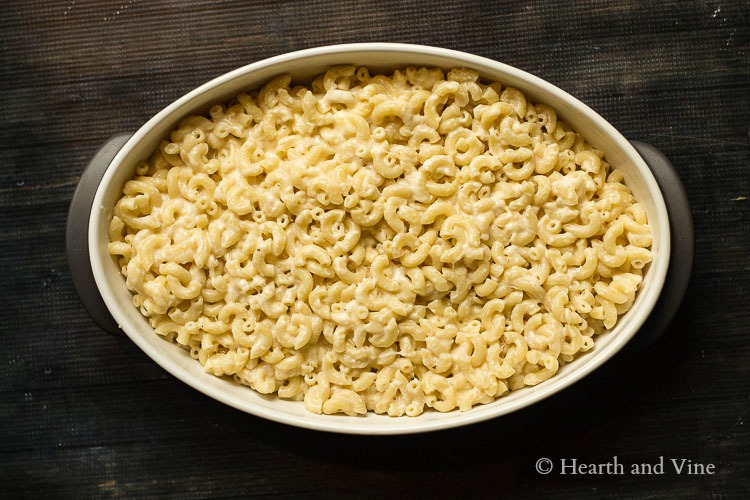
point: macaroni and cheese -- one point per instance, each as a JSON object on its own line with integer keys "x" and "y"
{"x": 385, "y": 243}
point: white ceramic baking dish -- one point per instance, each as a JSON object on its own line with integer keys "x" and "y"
{"x": 117, "y": 162}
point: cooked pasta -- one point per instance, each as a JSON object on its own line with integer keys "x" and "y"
{"x": 386, "y": 243}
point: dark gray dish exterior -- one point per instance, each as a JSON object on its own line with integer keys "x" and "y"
{"x": 675, "y": 285}
{"x": 77, "y": 234}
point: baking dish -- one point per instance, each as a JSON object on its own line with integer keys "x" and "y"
{"x": 98, "y": 280}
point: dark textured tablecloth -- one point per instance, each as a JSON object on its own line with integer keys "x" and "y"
{"x": 87, "y": 414}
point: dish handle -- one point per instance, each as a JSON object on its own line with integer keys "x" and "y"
{"x": 77, "y": 234}
{"x": 681, "y": 241}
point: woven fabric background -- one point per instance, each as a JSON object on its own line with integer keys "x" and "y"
{"x": 87, "y": 414}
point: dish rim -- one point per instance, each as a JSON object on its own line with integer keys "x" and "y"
{"x": 399, "y": 425}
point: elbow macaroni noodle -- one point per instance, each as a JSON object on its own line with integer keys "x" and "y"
{"x": 383, "y": 243}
